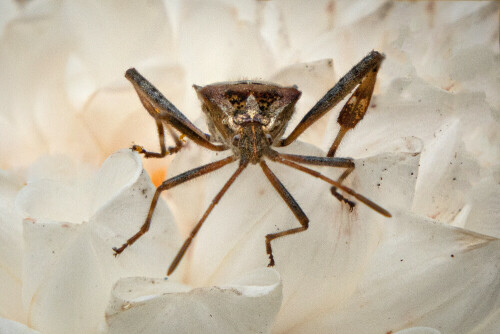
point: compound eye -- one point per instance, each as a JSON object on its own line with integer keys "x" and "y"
{"x": 269, "y": 139}
{"x": 236, "y": 139}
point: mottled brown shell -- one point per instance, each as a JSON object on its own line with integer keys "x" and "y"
{"x": 230, "y": 106}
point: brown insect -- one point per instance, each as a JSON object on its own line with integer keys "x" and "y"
{"x": 249, "y": 118}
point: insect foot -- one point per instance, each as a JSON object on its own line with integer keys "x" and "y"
{"x": 137, "y": 148}
{"x": 342, "y": 198}
{"x": 117, "y": 251}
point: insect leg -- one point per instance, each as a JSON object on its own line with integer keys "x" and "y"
{"x": 195, "y": 230}
{"x": 161, "y": 135}
{"x": 350, "y": 115}
{"x": 170, "y": 183}
{"x": 162, "y": 109}
{"x": 338, "y": 195}
{"x": 292, "y": 204}
{"x": 355, "y": 108}
{"x": 326, "y": 161}
{"x": 336, "y": 184}
{"x": 317, "y": 161}
{"x": 364, "y": 69}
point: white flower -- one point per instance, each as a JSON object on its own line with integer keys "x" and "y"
{"x": 427, "y": 151}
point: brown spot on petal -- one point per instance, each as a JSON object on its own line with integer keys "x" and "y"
{"x": 331, "y": 11}
{"x": 431, "y": 10}
{"x": 126, "y": 306}
{"x": 434, "y": 216}
{"x": 449, "y": 87}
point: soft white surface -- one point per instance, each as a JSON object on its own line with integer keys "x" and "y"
{"x": 427, "y": 150}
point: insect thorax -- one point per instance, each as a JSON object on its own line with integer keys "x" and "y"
{"x": 236, "y": 110}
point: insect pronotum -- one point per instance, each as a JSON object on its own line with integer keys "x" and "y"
{"x": 249, "y": 118}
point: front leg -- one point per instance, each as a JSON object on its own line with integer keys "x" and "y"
{"x": 350, "y": 115}
{"x": 292, "y": 204}
{"x": 162, "y": 110}
{"x": 355, "y": 108}
{"x": 365, "y": 73}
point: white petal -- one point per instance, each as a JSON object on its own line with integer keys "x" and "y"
{"x": 42, "y": 94}
{"x": 54, "y": 200}
{"x": 117, "y": 174}
{"x": 9, "y": 10}
{"x": 389, "y": 179}
{"x": 419, "y": 330}
{"x": 12, "y": 327}
{"x": 301, "y": 24}
{"x": 10, "y": 223}
{"x": 115, "y": 115}
{"x": 126, "y": 35}
{"x": 313, "y": 79}
{"x": 422, "y": 274}
{"x": 484, "y": 205}
{"x": 124, "y": 204}
{"x": 79, "y": 82}
{"x": 59, "y": 168}
{"x": 11, "y": 249}
{"x": 355, "y": 237}
{"x": 72, "y": 291}
{"x": 237, "y": 52}
{"x": 445, "y": 177}
{"x": 247, "y": 305}
{"x": 69, "y": 269}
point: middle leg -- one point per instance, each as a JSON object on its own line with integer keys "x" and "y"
{"x": 361, "y": 198}
{"x": 326, "y": 161}
{"x": 292, "y": 204}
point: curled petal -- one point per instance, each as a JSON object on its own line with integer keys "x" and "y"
{"x": 419, "y": 330}
{"x": 12, "y": 327}
{"x": 121, "y": 212}
{"x": 144, "y": 305}
{"x": 69, "y": 267}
